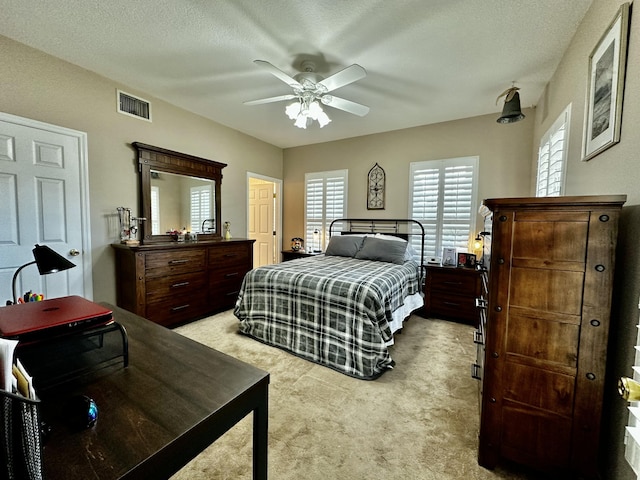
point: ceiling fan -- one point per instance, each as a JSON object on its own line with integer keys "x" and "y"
{"x": 310, "y": 90}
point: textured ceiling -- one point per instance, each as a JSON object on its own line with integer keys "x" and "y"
{"x": 427, "y": 61}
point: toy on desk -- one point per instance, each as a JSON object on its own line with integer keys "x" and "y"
{"x": 31, "y": 297}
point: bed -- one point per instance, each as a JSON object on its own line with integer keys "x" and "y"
{"x": 340, "y": 309}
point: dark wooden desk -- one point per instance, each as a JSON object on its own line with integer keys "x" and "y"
{"x": 174, "y": 399}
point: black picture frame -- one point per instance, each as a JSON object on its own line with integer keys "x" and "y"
{"x": 605, "y": 89}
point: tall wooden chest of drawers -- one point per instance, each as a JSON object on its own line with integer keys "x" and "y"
{"x": 550, "y": 284}
{"x": 176, "y": 282}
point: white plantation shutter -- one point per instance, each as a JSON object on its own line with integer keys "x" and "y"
{"x": 155, "y": 210}
{"x": 442, "y": 197}
{"x": 632, "y": 435}
{"x": 325, "y": 200}
{"x": 552, "y": 156}
{"x": 200, "y": 206}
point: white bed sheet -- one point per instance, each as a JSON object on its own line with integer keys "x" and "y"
{"x": 411, "y": 303}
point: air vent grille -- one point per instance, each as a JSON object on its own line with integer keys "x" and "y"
{"x": 134, "y": 106}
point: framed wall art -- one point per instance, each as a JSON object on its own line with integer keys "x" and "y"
{"x": 375, "y": 188}
{"x": 607, "y": 64}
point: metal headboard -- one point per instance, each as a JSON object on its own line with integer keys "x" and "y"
{"x": 405, "y": 228}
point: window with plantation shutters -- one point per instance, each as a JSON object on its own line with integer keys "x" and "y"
{"x": 632, "y": 434}
{"x": 325, "y": 200}
{"x": 155, "y": 210}
{"x": 442, "y": 197}
{"x": 552, "y": 156}
{"x": 200, "y": 206}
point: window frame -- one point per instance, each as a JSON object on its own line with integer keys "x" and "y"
{"x": 198, "y": 189}
{"x": 562, "y": 123}
{"x": 323, "y": 221}
{"x": 434, "y": 232}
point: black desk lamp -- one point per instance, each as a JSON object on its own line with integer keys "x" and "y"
{"x": 47, "y": 260}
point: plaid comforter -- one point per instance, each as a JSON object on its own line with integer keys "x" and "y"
{"x": 327, "y": 309}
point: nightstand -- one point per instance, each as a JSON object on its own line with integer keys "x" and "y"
{"x": 293, "y": 254}
{"x": 451, "y": 292}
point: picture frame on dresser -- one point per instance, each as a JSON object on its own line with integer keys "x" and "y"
{"x": 449, "y": 256}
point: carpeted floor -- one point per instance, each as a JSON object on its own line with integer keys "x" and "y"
{"x": 418, "y": 421}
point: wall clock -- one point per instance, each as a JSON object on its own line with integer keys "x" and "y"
{"x": 375, "y": 188}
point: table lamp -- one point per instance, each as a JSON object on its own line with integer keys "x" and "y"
{"x": 47, "y": 260}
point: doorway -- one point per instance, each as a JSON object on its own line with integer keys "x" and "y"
{"x": 264, "y": 218}
{"x": 44, "y": 189}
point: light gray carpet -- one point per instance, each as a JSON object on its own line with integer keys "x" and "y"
{"x": 418, "y": 421}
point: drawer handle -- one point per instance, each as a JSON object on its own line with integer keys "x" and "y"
{"x": 452, "y": 283}
{"x": 453, "y": 304}
{"x": 181, "y": 284}
{"x": 177, "y": 262}
{"x": 181, "y": 307}
{"x": 232, "y": 294}
{"x": 229, "y": 255}
{"x": 231, "y": 274}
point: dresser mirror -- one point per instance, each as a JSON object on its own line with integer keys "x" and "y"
{"x": 178, "y": 191}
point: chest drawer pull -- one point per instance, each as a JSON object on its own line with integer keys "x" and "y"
{"x": 453, "y": 304}
{"x": 452, "y": 283}
{"x": 180, "y": 284}
{"x": 231, "y": 274}
{"x": 181, "y": 307}
{"x": 178, "y": 262}
{"x": 230, "y": 255}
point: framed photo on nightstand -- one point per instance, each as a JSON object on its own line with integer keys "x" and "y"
{"x": 449, "y": 256}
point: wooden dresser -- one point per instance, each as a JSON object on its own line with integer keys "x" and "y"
{"x": 172, "y": 283}
{"x": 550, "y": 282}
{"x": 451, "y": 292}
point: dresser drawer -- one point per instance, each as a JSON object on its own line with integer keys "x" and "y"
{"x": 177, "y": 309}
{"x": 174, "y": 262}
{"x": 230, "y": 256}
{"x": 454, "y": 306}
{"x": 453, "y": 281}
{"x": 183, "y": 285}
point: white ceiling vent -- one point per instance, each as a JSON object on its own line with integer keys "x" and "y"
{"x": 134, "y": 106}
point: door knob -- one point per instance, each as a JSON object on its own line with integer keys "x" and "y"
{"x": 629, "y": 389}
{"x": 74, "y": 253}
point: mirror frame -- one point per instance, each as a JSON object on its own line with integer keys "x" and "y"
{"x": 163, "y": 160}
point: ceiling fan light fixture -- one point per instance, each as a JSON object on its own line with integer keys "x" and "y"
{"x": 310, "y": 91}
{"x": 305, "y": 112}
{"x": 293, "y": 110}
{"x": 301, "y": 121}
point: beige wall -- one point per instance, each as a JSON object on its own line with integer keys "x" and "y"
{"x": 37, "y": 86}
{"x": 614, "y": 171}
{"x": 504, "y": 151}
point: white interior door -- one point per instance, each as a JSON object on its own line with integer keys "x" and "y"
{"x": 261, "y": 226}
{"x": 43, "y": 187}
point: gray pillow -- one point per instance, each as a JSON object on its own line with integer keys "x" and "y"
{"x": 344, "y": 245}
{"x": 391, "y": 251}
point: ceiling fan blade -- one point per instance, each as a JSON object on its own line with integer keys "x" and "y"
{"x": 276, "y": 72}
{"x": 346, "y": 105}
{"x": 344, "y": 77}
{"x": 279, "y": 98}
